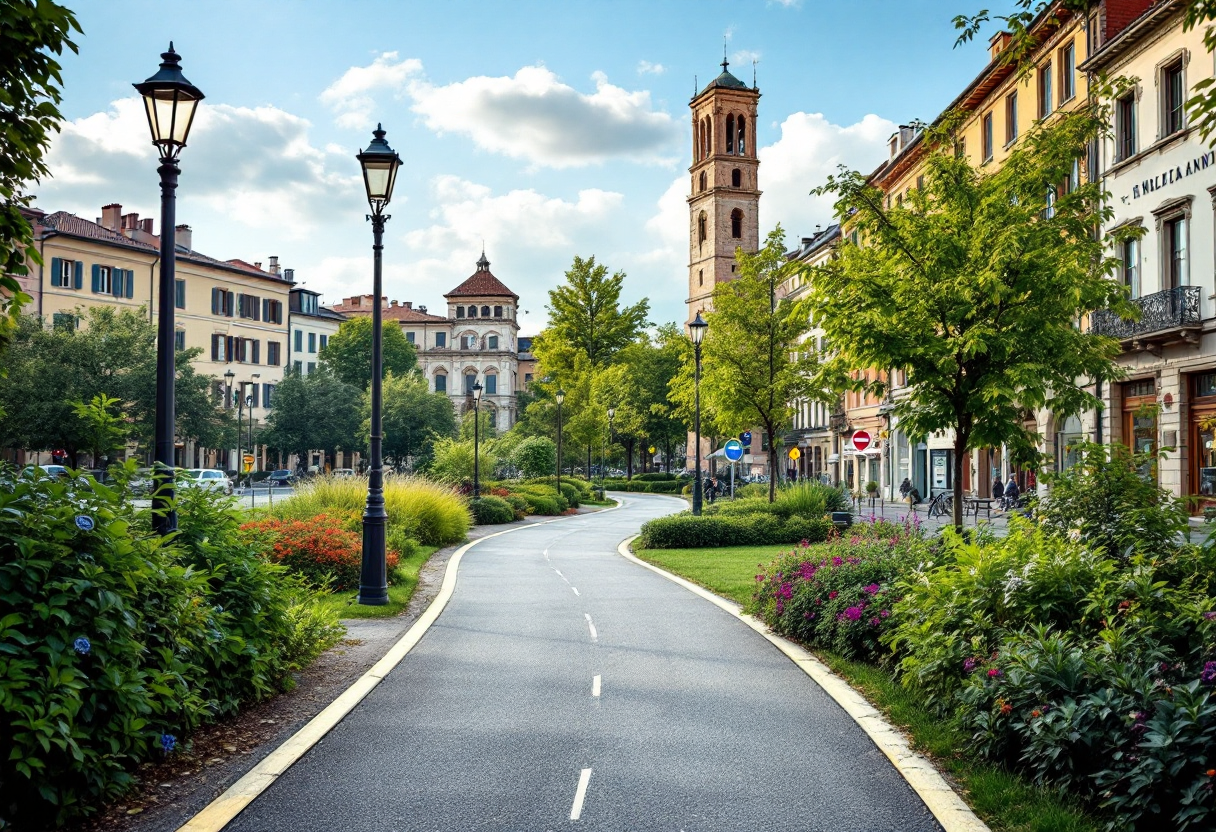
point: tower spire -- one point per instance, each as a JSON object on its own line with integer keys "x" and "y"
{"x": 725, "y": 63}
{"x": 483, "y": 265}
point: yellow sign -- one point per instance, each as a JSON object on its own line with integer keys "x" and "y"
{"x": 652, "y": 448}
{"x": 248, "y": 460}
{"x": 795, "y": 453}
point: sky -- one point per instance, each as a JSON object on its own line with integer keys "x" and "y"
{"x": 540, "y": 130}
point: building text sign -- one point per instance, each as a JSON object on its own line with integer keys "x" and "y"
{"x": 1173, "y": 174}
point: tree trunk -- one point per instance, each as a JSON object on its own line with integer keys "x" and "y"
{"x": 961, "y": 436}
{"x": 588, "y": 469}
{"x": 629, "y": 460}
{"x": 772, "y": 468}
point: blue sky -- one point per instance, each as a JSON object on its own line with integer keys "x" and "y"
{"x": 546, "y": 129}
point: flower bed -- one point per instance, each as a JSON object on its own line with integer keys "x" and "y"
{"x": 318, "y": 549}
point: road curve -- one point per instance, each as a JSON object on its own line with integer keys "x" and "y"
{"x": 564, "y": 687}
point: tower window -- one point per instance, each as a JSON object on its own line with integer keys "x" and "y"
{"x": 485, "y": 311}
{"x": 702, "y": 182}
{"x": 701, "y": 228}
{"x": 736, "y": 224}
{"x": 701, "y": 277}
{"x": 742, "y": 142}
{"x": 472, "y": 311}
{"x": 730, "y": 134}
{"x": 736, "y": 178}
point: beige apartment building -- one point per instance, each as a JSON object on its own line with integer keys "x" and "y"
{"x": 236, "y": 312}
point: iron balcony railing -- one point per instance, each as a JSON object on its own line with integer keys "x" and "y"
{"x": 1159, "y": 312}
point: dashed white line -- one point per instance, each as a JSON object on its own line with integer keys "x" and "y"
{"x": 594, "y": 634}
{"x": 580, "y": 794}
{"x": 595, "y": 685}
{"x": 576, "y": 592}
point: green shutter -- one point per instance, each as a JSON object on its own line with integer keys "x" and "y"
{"x": 96, "y": 278}
{"x": 117, "y": 279}
{"x": 78, "y": 277}
{"x": 56, "y": 270}
{"x": 130, "y": 283}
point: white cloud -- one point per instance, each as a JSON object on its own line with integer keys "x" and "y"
{"x": 647, "y": 68}
{"x": 535, "y": 116}
{"x": 744, "y": 57}
{"x": 350, "y": 97}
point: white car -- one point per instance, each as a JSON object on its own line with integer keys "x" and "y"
{"x": 343, "y": 472}
{"x": 210, "y": 478}
{"x": 45, "y": 470}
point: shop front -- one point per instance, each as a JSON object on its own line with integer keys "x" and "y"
{"x": 1202, "y": 437}
{"x": 1140, "y": 420}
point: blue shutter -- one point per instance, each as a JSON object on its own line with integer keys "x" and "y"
{"x": 130, "y": 283}
{"x": 116, "y": 282}
{"x": 78, "y": 277}
{"x": 56, "y": 270}
{"x": 96, "y": 278}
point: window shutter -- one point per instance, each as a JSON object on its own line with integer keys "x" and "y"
{"x": 257, "y": 352}
{"x": 130, "y": 283}
{"x": 96, "y": 278}
{"x": 229, "y": 301}
{"x": 78, "y": 278}
{"x": 215, "y": 348}
{"x": 228, "y": 339}
{"x": 266, "y": 309}
{"x": 215, "y": 301}
{"x": 56, "y": 270}
{"x": 253, "y": 391}
{"x": 116, "y": 282}
{"x": 255, "y": 310}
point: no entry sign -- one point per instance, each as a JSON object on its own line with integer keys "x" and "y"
{"x": 861, "y": 440}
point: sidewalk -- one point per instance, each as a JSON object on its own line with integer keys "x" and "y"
{"x": 866, "y": 508}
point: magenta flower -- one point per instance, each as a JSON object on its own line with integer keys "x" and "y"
{"x": 832, "y": 594}
{"x": 969, "y": 665}
{"x": 874, "y": 622}
{"x": 1208, "y": 676}
{"x": 1209, "y": 615}
{"x": 994, "y": 673}
{"x": 837, "y": 561}
{"x": 853, "y": 613}
{"x": 885, "y": 613}
{"x": 786, "y": 591}
{"x": 871, "y": 589}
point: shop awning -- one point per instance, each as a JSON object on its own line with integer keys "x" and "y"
{"x": 833, "y": 458}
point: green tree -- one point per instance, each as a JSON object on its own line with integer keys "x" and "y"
{"x": 452, "y": 461}
{"x": 586, "y": 313}
{"x": 314, "y": 412}
{"x": 33, "y": 33}
{"x": 413, "y": 418}
{"x": 348, "y": 355}
{"x": 103, "y": 431}
{"x": 652, "y": 364}
{"x": 536, "y": 456}
{"x": 974, "y": 289}
{"x": 753, "y": 368}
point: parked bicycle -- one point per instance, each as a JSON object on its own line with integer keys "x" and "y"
{"x": 942, "y": 505}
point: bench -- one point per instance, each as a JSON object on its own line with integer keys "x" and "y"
{"x": 973, "y": 505}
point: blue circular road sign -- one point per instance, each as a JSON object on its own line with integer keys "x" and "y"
{"x": 733, "y": 450}
{"x": 746, "y": 437}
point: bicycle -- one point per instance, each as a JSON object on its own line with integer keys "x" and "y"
{"x": 942, "y": 505}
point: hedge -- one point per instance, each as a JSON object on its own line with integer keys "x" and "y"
{"x": 684, "y": 531}
{"x": 643, "y": 487}
{"x": 490, "y": 510}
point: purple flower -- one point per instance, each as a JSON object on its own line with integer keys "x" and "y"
{"x": 82, "y": 646}
{"x": 874, "y": 622}
{"x": 1209, "y": 615}
{"x": 969, "y": 665}
{"x": 1208, "y": 676}
{"x": 168, "y": 742}
{"x": 872, "y": 589}
{"x": 854, "y": 614}
{"x": 885, "y": 613}
{"x": 786, "y": 590}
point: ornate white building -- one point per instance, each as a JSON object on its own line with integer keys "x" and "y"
{"x": 478, "y": 341}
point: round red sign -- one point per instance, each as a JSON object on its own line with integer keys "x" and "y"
{"x": 861, "y": 439}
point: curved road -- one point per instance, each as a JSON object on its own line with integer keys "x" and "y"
{"x": 566, "y": 687}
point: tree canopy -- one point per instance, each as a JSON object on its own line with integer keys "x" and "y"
{"x": 974, "y": 288}
{"x": 586, "y": 312}
{"x": 348, "y": 355}
{"x": 313, "y": 412}
{"x": 413, "y": 418}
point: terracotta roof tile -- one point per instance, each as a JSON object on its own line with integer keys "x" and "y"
{"x": 74, "y": 226}
{"x": 403, "y": 314}
{"x": 483, "y": 285}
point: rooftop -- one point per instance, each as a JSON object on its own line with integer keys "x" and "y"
{"x": 482, "y": 284}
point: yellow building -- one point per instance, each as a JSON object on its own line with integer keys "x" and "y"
{"x": 234, "y": 311}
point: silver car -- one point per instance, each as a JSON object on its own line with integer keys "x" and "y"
{"x": 210, "y": 478}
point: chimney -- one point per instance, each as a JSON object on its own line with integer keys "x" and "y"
{"x": 111, "y": 216}
{"x": 130, "y": 220}
{"x": 289, "y": 275}
{"x": 185, "y": 237}
{"x": 998, "y": 43}
{"x": 146, "y": 225}
{"x": 393, "y": 304}
{"x": 409, "y": 304}
{"x": 258, "y": 265}
{"x": 274, "y": 265}
{"x": 906, "y": 134}
{"x": 422, "y": 309}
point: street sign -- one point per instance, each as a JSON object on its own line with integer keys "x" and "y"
{"x": 795, "y": 453}
{"x": 861, "y": 440}
{"x": 746, "y": 437}
{"x": 248, "y": 460}
{"x": 651, "y": 448}
{"x": 733, "y": 450}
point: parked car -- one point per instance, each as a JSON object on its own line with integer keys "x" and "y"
{"x": 210, "y": 478}
{"x": 30, "y": 471}
{"x": 343, "y": 472}
{"x": 282, "y": 478}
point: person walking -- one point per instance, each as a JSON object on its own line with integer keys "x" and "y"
{"x": 1011, "y": 494}
{"x": 708, "y": 488}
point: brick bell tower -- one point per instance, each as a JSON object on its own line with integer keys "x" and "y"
{"x": 723, "y": 209}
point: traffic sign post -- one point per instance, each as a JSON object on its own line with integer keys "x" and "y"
{"x": 733, "y": 451}
{"x": 861, "y": 440}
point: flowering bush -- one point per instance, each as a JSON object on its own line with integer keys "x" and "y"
{"x": 318, "y": 549}
{"x": 839, "y": 595}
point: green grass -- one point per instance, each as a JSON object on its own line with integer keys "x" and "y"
{"x": 1004, "y": 800}
{"x": 405, "y": 581}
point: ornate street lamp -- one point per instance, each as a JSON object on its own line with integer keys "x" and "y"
{"x": 170, "y": 102}
{"x": 228, "y": 377}
{"x": 252, "y": 451}
{"x": 561, "y": 397}
{"x": 379, "y": 163}
{"x": 476, "y": 438}
{"x": 696, "y": 331}
{"x": 604, "y": 449}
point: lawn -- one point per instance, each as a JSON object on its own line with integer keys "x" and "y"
{"x": 400, "y": 591}
{"x": 1004, "y": 800}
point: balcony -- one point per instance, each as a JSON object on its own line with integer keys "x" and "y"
{"x": 1165, "y": 317}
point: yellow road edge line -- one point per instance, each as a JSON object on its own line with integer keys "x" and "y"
{"x": 223, "y": 810}
{"x": 950, "y": 810}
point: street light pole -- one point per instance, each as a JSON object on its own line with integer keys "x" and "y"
{"x": 240, "y": 408}
{"x": 169, "y": 102}
{"x": 604, "y": 450}
{"x": 696, "y": 330}
{"x": 476, "y": 438}
{"x": 253, "y": 385}
{"x": 379, "y": 164}
{"x": 561, "y": 397}
{"x": 228, "y": 377}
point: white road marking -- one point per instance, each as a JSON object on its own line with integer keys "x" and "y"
{"x": 560, "y": 575}
{"x": 580, "y": 794}
{"x": 595, "y": 685}
{"x": 575, "y": 590}
{"x": 594, "y": 634}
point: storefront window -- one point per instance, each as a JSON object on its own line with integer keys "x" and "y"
{"x": 1068, "y": 443}
{"x": 1207, "y": 463}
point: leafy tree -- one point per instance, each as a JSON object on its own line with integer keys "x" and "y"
{"x": 536, "y": 456}
{"x": 586, "y": 312}
{"x": 486, "y": 429}
{"x": 32, "y": 34}
{"x": 112, "y": 353}
{"x": 653, "y": 363}
{"x": 974, "y": 290}
{"x": 314, "y": 412}
{"x": 348, "y": 355}
{"x": 753, "y": 368}
{"x": 452, "y": 461}
{"x": 413, "y": 418}
{"x": 103, "y": 431}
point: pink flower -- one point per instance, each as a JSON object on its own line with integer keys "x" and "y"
{"x": 837, "y": 561}
{"x": 885, "y": 613}
{"x": 853, "y": 613}
{"x": 994, "y": 673}
{"x": 872, "y": 589}
{"x": 832, "y": 594}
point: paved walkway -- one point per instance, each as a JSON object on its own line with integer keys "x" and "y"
{"x": 565, "y": 686}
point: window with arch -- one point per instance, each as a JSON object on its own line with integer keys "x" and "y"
{"x": 472, "y": 311}
{"x": 492, "y": 342}
{"x": 730, "y": 133}
{"x": 736, "y": 224}
{"x": 459, "y": 311}
{"x": 702, "y": 182}
{"x": 497, "y": 311}
{"x": 491, "y": 384}
{"x": 707, "y": 137}
{"x": 470, "y": 378}
{"x": 701, "y": 229}
{"x": 701, "y": 277}
{"x": 696, "y": 141}
{"x": 441, "y": 382}
{"x": 485, "y": 311}
{"x": 736, "y": 178}
{"x": 741, "y": 143}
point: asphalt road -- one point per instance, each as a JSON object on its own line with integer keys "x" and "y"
{"x": 566, "y": 687}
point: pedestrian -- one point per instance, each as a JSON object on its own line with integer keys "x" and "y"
{"x": 713, "y": 488}
{"x": 905, "y": 488}
{"x": 998, "y": 488}
{"x": 1011, "y": 494}
{"x": 708, "y": 488}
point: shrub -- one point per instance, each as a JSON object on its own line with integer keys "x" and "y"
{"x": 812, "y": 499}
{"x": 837, "y": 595}
{"x": 581, "y": 486}
{"x": 519, "y": 505}
{"x": 114, "y": 644}
{"x": 752, "y": 489}
{"x": 535, "y": 456}
{"x": 317, "y": 549}
{"x": 684, "y": 531}
{"x": 655, "y": 476}
{"x": 543, "y": 504}
{"x": 430, "y": 512}
{"x": 489, "y": 511}
{"x": 452, "y": 460}
{"x": 665, "y": 487}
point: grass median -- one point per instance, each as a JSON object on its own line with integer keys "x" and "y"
{"x": 1005, "y": 801}
{"x": 405, "y": 581}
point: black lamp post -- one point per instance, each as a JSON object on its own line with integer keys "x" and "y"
{"x": 561, "y": 397}
{"x": 228, "y": 377}
{"x": 696, "y": 331}
{"x": 604, "y": 450}
{"x": 379, "y": 163}
{"x": 239, "y": 401}
{"x": 476, "y": 438}
{"x": 170, "y": 102}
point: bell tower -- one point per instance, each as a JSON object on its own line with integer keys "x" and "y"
{"x": 724, "y": 206}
